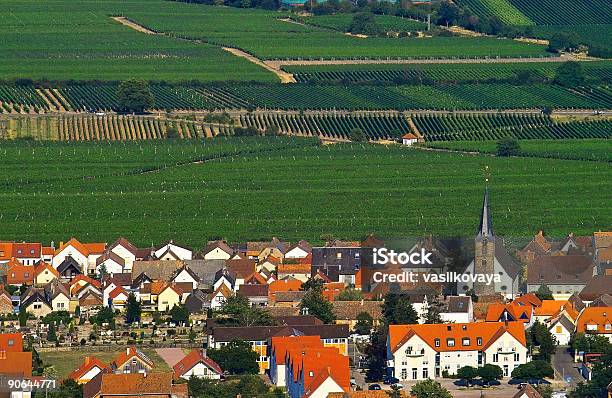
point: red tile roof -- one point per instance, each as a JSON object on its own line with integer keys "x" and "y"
{"x": 42, "y": 266}
{"x": 136, "y": 384}
{"x": 16, "y": 363}
{"x": 600, "y": 317}
{"x": 129, "y": 353}
{"x": 192, "y": 359}
{"x": 88, "y": 364}
{"x": 487, "y": 331}
{"x": 495, "y": 312}
{"x": 280, "y": 345}
{"x": 27, "y": 250}
{"x": 18, "y": 274}
{"x": 11, "y": 342}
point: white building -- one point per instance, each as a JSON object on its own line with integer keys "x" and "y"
{"x": 419, "y": 352}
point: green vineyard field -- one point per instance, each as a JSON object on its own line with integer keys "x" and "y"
{"x": 396, "y": 73}
{"x": 503, "y": 9}
{"x": 566, "y": 12}
{"x": 230, "y": 188}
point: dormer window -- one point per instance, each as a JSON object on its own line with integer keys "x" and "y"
{"x": 339, "y": 256}
{"x": 450, "y": 342}
{"x": 479, "y": 341}
{"x": 465, "y": 342}
{"x": 437, "y": 342}
{"x": 311, "y": 373}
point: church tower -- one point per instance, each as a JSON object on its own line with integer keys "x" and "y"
{"x": 484, "y": 254}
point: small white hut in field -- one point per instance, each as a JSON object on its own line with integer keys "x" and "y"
{"x": 409, "y": 139}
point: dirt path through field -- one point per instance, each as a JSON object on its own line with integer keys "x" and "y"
{"x": 134, "y": 25}
{"x": 282, "y": 75}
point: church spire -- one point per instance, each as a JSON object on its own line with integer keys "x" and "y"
{"x": 485, "y": 229}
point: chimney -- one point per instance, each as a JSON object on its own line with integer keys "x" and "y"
{"x": 127, "y": 350}
{"x": 86, "y": 360}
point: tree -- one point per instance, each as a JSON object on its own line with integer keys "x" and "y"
{"x": 192, "y": 335}
{"x": 350, "y": 295}
{"x": 429, "y": 389}
{"x": 364, "y": 323}
{"x": 238, "y": 311}
{"x": 237, "y": 357}
{"x": 570, "y": 74}
{"x": 250, "y": 131}
{"x": 433, "y": 312}
{"x": 315, "y": 304}
{"x": 490, "y": 372}
{"x": 588, "y": 343}
{"x": 179, "y": 314}
{"x": 133, "y": 309}
{"x": 102, "y": 271}
{"x": 272, "y": 131}
{"x": 172, "y": 133}
{"x": 537, "y": 369}
{"x": 398, "y": 310}
{"x": 447, "y": 13}
{"x": 312, "y": 283}
{"x": 544, "y": 293}
{"x": 364, "y": 23}
{"x": 467, "y": 373}
{"x": 357, "y": 135}
{"x": 376, "y": 354}
{"x": 134, "y": 96}
{"x": 539, "y": 336}
{"x": 562, "y": 41}
{"x": 23, "y": 317}
{"x": 508, "y": 146}
{"x": 104, "y": 315}
{"x": 51, "y": 335}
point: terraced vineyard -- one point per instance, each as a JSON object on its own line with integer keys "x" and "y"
{"x": 332, "y": 126}
{"x": 566, "y": 12}
{"x": 109, "y": 128}
{"x": 503, "y": 9}
{"x": 494, "y": 127}
{"x": 439, "y": 73}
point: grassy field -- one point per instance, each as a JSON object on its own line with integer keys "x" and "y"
{"x": 41, "y": 39}
{"x": 288, "y": 188}
{"x": 598, "y": 150}
{"x": 67, "y": 361}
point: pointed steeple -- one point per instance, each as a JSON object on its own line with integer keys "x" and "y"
{"x": 485, "y": 229}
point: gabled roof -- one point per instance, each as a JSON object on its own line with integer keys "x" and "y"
{"x": 18, "y": 274}
{"x": 549, "y": 307}
{"x": 487, "y": 331}
{"x": 110, "y": 256}
{"x": 497, "y": 312}
{"x": 27, "y": 250}
{"x": 570, "y": 269}
{"x": 55, "y": 288}
{"x": 597, "y": 286}
{"x": 599, "y": 316}
{"x": 281, "y": 344}
{"x": 285, "y": 285}
{"x": 220, "y": 244}
{"x": 409, "y": 136}
{"x": 42, "y": 266}
{"x": 563, "y": 320}
{"x": 349, "y": 310}
{"x": 68, "y": 263}
{"x": 329, "y": 372}
{"x": 11, "y": 342}
{"x": 126, "y": 244}
{"x": 255, "y": 279}
{"x": 602, "y": 301}
{"x": 303, "y": 245}
{"x": 88, "y": 364}
{"x": 458, "y": 304}
{"x": 528, "y": 299}
{"x": 192, "y": 359}
{"x": 223, "y": 290}
{"x": 252, "y": 290}
{"x": 16, "y": 363}
{"x": 32, "y": 295}
{"x": 129, "y": 353}
{"x": 528, "y": 391}
{"x": 86, "y": 280}
{"x": 157, "y": 269}
{"x": 116, "y": 292}
{"x": 84, "y": 249}
{"x": 242, "y": 268}
{"x": 135, "y": 384}
{"x": 188, "y": 270}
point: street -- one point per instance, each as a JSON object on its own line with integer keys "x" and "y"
{"x": 565, "y": 368}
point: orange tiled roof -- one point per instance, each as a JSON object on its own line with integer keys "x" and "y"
{"x": 95, "y": 248}
{"x": 41, "y": 266}
{"x": 6, "y": 250}
{"x": 528, "y": 299}
{"x": 255, "y": 277}
{"x": 487, "y": 331}
{"x": 281, "y": 344}
{"x": 86, "y": 280}
{"x": 409, "y": 136}
{"x": 88, "y": 364}
{"x": 294, "y": 268}
{"x": 321, "y": 363}
{"x": 116, "y": 292}
{"x": 48, "y": 251}
{"x": 517, "y": 312}
{"x": 599, "y": 316}
{"x": 27, "y": 250}
{"x": 11, "y": 342}
{"x": 285, "y": 285}
{"x": 16, "y": 363}
{"x": 192, "y": 359}
{"x": 127, "y": 354}
{"x": 18, "y": 274}
{"x": 549, "y": 307}
{"x": 224, "y": 290}
{"x": 136, "y": 384}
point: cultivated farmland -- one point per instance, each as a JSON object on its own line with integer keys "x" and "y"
{"x": 346, "y": 190}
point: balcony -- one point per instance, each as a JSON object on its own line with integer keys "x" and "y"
{"x": 506, "y": 350}
{"x": 414, "y": 354}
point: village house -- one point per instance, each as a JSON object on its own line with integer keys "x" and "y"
{"x": 409, "y": 139}
{"x": 85, "y": 254}
{"x": 58, "y": 296}
{"x": 34, "y": 301}
{"x": 27, "y": 253}
{"x": 13, "y": 360}
{"x": 132, "y": 360}
{"x": 598, "y": 286}
{"x": 110, "y": 263}
{"x": 457, "y": 309}
{"x": 261, "y": 250}
{"x": 89, "y": 369}
{"x": 130, "y": 385}
{"x": 314, "y": 372}
{"x": 6, "y": 303}
{"x": 338, "y": 263}
{"x": 300, "y": 250}
{"x": 547, "y": 309}
{"x": 499, "y": 312}
{"x": 186, "y": 275}
{"x": 418, "y": 352}
{"x": 170, "y": 296}
{"x": 69, "y": 269}
{"x": 278, "y": 351}
{"x": 255, "y": 293}
{"x": 563, "y": 275}
{"x": 335, "y": 336}
{"x": 219, "y": 297}
{"x": 217, "y": 250}
{"x": 128, "y": 253}
{"x": 19, "y": 274}
{"x": 171, "y": 251}
{"x": 298, "y": 271}
{"x": 347, "y": 312}
{"x": 44, "y": 273}
{"x": 595, "y": 320}
{"x": 197, "y": 364}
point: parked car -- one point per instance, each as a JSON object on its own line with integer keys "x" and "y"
{"x": 397, "y": 386}
{"x": 374, "y": 387}
{"x": 390, "y": 380}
